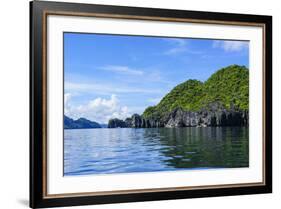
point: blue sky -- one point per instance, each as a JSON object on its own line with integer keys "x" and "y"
{"x": 108, "y": 76}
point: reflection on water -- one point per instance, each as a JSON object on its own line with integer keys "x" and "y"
{"x": 126, "y": 150}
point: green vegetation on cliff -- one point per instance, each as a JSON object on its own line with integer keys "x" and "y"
{"x": 228, "y": 86}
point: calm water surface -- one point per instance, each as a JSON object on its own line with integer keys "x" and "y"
{"x": 125, "y": 150}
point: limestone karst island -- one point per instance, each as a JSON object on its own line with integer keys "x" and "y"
{"x": 222, "y": 100}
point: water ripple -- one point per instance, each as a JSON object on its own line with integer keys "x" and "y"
{"x": 104, "y": 151}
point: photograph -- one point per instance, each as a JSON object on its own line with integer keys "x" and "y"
{"x": 136, "y": 103}
{"x": 132, "y": 104}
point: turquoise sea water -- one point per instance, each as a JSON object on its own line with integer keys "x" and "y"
{"x": 127, "y": 150}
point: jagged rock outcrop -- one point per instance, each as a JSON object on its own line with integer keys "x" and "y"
{"x": 137, "y": 121}
{"x": 213, "y": 115}
{"x": 116, "y": 123}
{"x": 128, "y": 122}
{"x": 180, "y": 118}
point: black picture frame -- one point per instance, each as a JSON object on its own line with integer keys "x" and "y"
{"x": 38, "y": 87}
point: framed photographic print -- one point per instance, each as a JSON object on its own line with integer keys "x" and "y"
{"x": 138, "y": 104}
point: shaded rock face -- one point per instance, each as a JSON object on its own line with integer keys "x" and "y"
{"x": 116, "y": 123}
{"x": 137, "y": 121}
{"x": 179, "y": 118}
{"x": 128, "y": 122}
{"x": 213, "y": 115}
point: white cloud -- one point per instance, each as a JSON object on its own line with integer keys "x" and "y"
{"x": 231, "y": 46}
{"x": 99, "y": 109}
{"x": 67, "y": 106}
{"x": 179, "y": 46}
{"x": 122, "y": 70}
{"x": 106, "y": 89}
{"x": 67, "y": 97}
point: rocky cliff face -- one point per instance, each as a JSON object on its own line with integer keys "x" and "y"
{"x": 179, "y": 118}
{"x": 116, "y": 123}
{"x": 214, "y": 115}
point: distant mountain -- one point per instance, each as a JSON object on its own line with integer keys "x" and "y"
{"x": 222, "y": 100}
{"x": 80, "y": 123}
